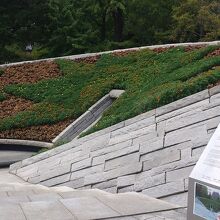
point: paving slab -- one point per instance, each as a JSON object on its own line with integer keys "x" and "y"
{"x": 89, "y": 208}
{"x": 134, "y": 203}
{"x": 11, "y": 211}
{"x": 46, "y": 210}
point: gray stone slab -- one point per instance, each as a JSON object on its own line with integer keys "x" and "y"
{"x": 55, "y": 171}
{"x": 56, "y": 180}
{"x": 103, "y": 176}
{"x": 126, "y": 189}
{"x": 85, "y": 172}
{"x": 49, "y": 196}
{"x": 159, "y": 158}
{"x": 14, "y": 199}
{"x": 88, "y": 208}
{"x": 160, "y": 129}
{"x": 215, "y": 98}
{"x": 98, "y": 142}
{"x": 145, "y": 180}
{"x": 15, "y": 166}
{"x": 98, "y": 160}
{"x": 198, "y": 151}
{"x": 175, "y": 165}
{"x": 145, "y": 137}
{"x": 126, "y": 180}
{"x": 214, "y": 90}
{"x": 81, "y": 164}
{"x": 140, "y": 117}
{"x": 83, "y": 193}
{"x": 111, "y": 148}
{"x": 165, "y": 189}
{"x": 134, "y": 203}
{"x": 112, "y": 190}
{"x": 122, "y": 152}
{"x": 191, "y": 118}
{"x": 11, "y": 211}
{"x": 133, "y": 127}
{"x": 75, "y": 184}
{"x": 185, "y": 134}
{"x": 106, "y": 184}
{"x": 179, "y": 214}
{"x": 23, "y": 192}
{"x": 133, "y": 134}
{"x": 182, "y": 102}
{"x": 27, "y": 172}
{"x": 116, "y": 93}
{"x": 46, "y": 210}
{"x": 183, "y": 110}
{"x": 186, "y": 153}
{"x": 122, "y": 161}
{"x": 179, "y": 199}
{"x": 151, "y": 145}
{"x": 178, "y": 174}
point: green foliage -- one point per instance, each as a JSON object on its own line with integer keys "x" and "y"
{"x": 1, "y": 71}
{"x": 150, "y": 80}
{"x": 67, "y": 27}
{"x": 197, "y": 20}
{"x": 2, "y": 96}
{"x": 210, "y": 203}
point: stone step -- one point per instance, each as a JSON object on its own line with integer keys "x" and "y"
{"x": 35, "y": 202}
{"x": 20, "y": 187}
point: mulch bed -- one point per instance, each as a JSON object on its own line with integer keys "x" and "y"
{"x": 194, "y": 47}
{"x": 214, "y": 53}
{"x": 39, "y": 133}
{"x": 124, "y": 53}
{"x": 88, "y": 60}
{"x": 29, "y": 73}
{"x": 12, "y": 105}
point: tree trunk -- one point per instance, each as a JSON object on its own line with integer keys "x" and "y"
{"x": 118, "y": 25}
{"x": 103, "y": 27}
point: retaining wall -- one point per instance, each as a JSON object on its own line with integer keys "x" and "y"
{"x": 78, "y": 56}
{"x": 88, "y": 118}
{"x": 152, "y": 153}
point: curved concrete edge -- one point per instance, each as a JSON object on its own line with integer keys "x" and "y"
{"x": 26, "y": 143}
{"x": 74, "y": 57}
{"x": 88, "y": 118}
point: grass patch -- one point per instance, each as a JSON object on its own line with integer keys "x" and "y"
{"x": 150, "y": 80}
{"x": 1, "y": 71}
{"x": 2, "y": 96}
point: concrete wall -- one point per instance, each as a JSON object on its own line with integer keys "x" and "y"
{"x": 152, "y": 153}
{"x": 73, "y": 57}
{"x": 88, "y": 118}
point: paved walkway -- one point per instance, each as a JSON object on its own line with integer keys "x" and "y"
{"x": 22, "y": 201}
{"x": 6, "y": 177}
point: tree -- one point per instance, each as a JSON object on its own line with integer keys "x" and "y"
{"x": 197, "y": 20}
{"x": 150, "y": 21}
{"x": 117, "y": 9}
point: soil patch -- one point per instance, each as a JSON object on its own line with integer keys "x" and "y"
{"x": 13, "y": 105}
{"x": 214, "y": 53}
{"x": 88, "y": 60}
{"x": 29, "y": 73}
{"x": 194, "y": 47}
{"x": 39, "y": 133}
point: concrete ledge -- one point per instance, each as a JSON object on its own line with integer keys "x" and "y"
{"x": 12, "y": 151}
{"x": 74, "y": 57}
{"x": 25, "y": 143}
{"x": 88, "y": 118}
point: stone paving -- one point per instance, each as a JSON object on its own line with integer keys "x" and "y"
{"x": 152, "y": 153}
{"x": 23, "y": 201}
